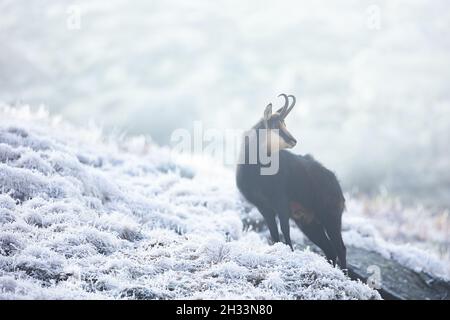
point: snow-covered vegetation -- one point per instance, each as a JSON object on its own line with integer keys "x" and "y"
{"x": 82, "y": 216}
{"x": 392, "y": 223}
{"x": 88, "y": 216}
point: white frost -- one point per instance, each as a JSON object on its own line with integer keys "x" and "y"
{"x": 82, "y": 217}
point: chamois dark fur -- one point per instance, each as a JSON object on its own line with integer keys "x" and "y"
{"x": 303, "y": 190}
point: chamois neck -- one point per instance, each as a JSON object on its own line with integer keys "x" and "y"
{"x": 251, "y": 145}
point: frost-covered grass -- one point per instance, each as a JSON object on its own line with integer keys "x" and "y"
{"x": 83, "y": 216}
{"x": 93, "y": 217}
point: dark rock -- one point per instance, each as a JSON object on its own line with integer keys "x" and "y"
{"x": 397, "y": 281}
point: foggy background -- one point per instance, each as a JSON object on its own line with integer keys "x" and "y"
{"x": 371, "y": 77}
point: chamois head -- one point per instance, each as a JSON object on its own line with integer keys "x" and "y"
{"x": 278, "y": 137}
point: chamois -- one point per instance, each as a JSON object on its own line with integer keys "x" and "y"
{"x": 301, "y": 188}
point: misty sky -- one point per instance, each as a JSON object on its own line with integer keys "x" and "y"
{"x": 371, "y": 77}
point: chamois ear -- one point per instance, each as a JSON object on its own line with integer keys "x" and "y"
{"x": 268, "y": 112}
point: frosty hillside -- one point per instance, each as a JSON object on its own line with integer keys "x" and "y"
{"x": 84, "y": 216}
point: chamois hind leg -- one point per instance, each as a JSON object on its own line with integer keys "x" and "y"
{"x": 316, "y": 233}
{"x": 285, "y": 228}
{"x": 333, "y": 225}
{"x": 282, "y": 208}
{"x": 269, "y": 217}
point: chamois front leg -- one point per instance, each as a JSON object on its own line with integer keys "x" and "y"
{"x": 269, "y": 217}
{"x": 283, "y": 210}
